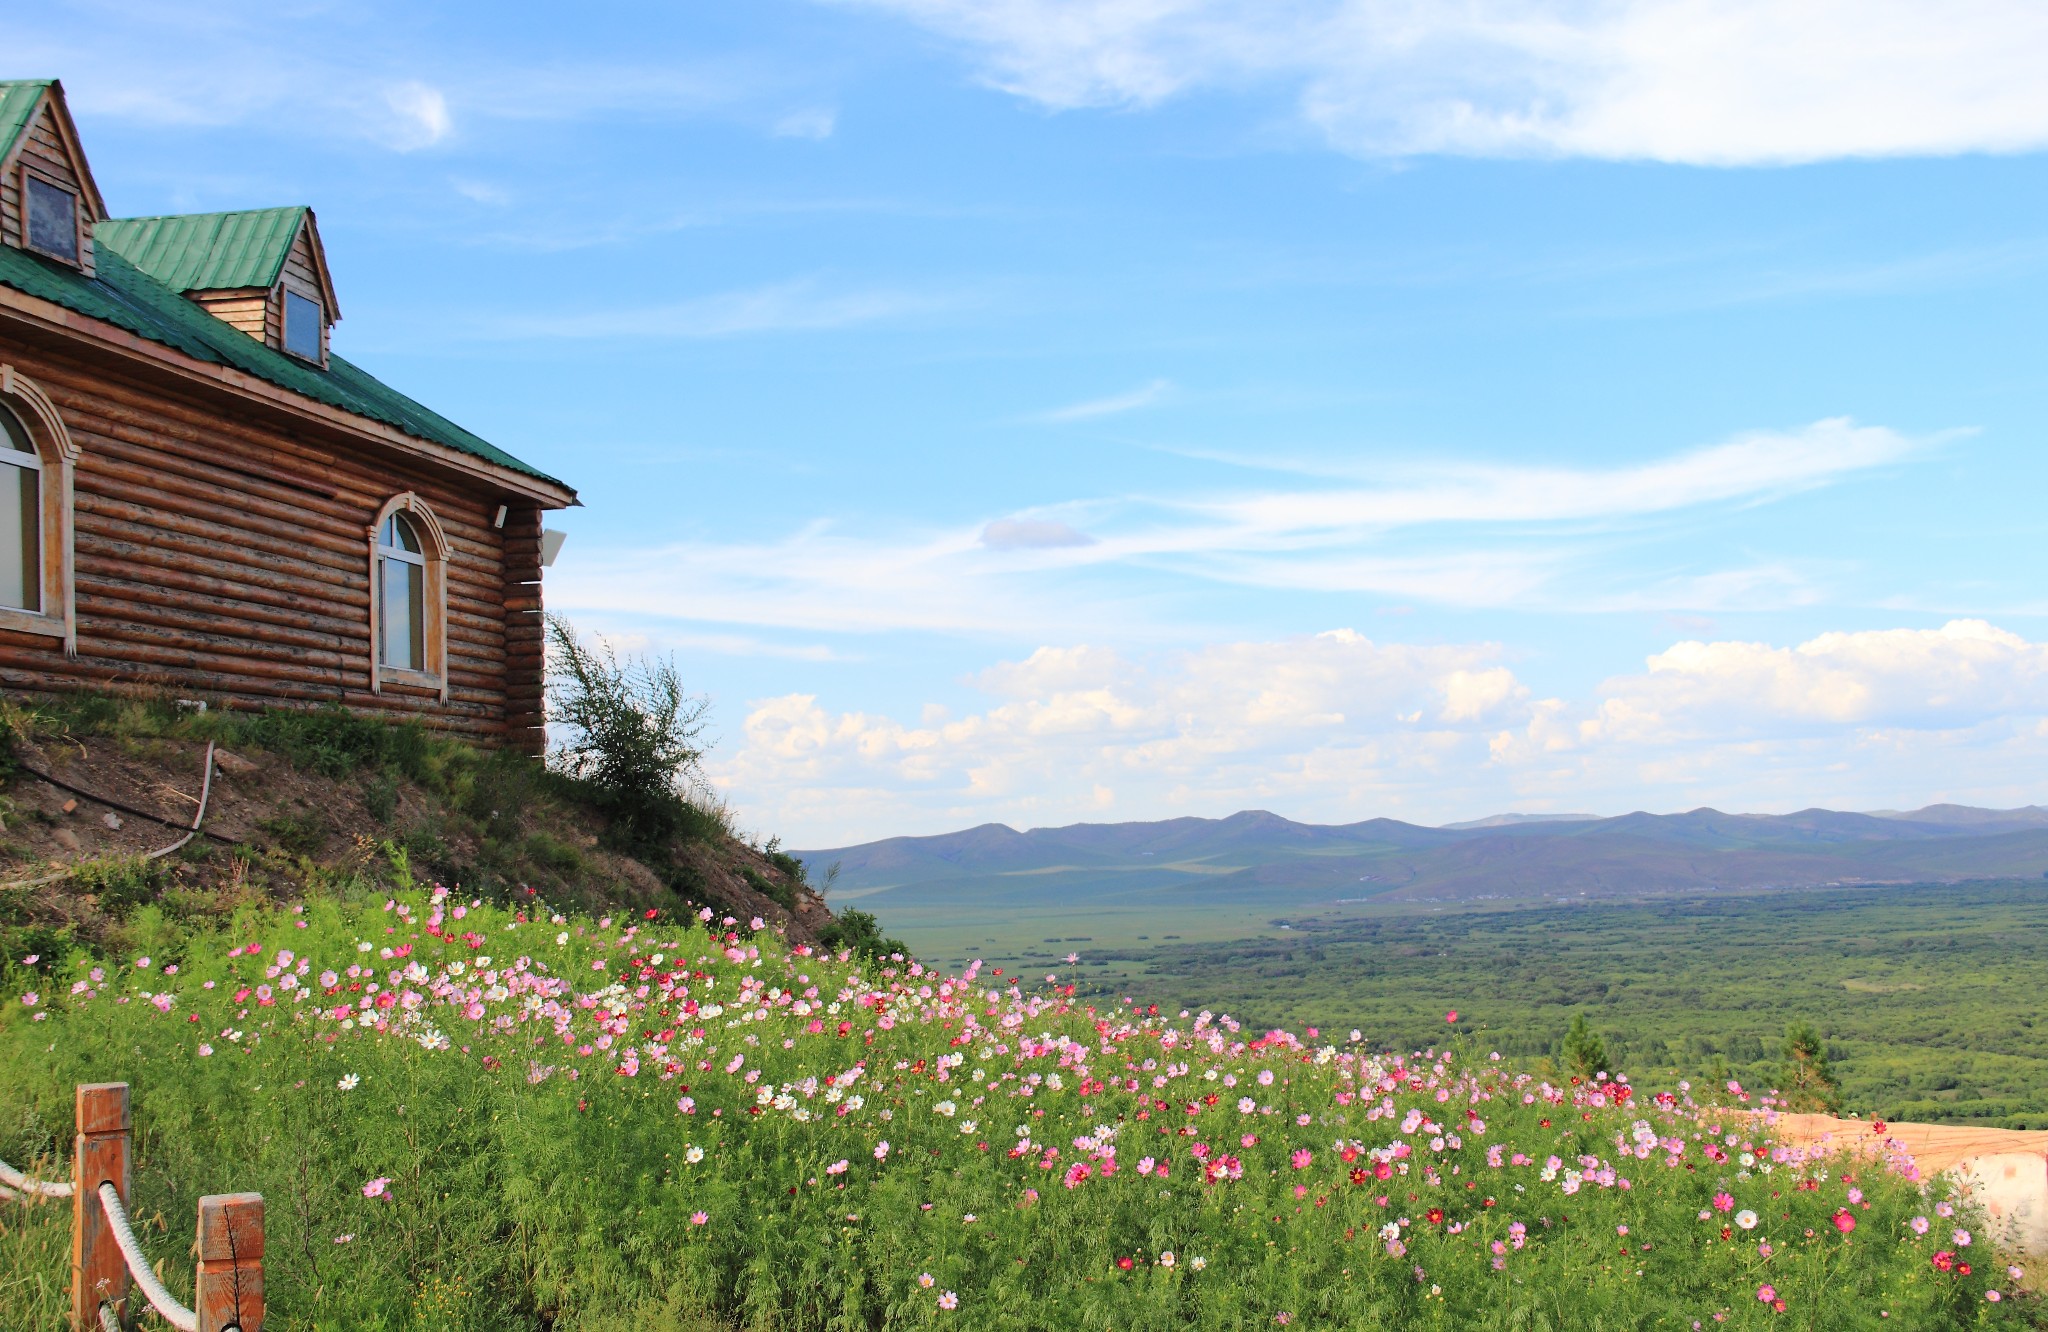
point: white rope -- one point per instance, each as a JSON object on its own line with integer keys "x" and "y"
{"x": 138, "y": 1266}
{"x": 109, "y": 1323}
{"x": 18, "y": 1183}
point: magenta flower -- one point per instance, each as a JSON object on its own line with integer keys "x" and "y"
{"x": 379, "y": 1187}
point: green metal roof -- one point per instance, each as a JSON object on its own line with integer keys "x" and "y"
{"x": 18, "y": 98}
{"x": 129, "y": 298}
{"x": 206, "y": 251}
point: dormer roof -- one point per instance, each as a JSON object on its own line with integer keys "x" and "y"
{"x": 247, "y": 248}
{"x": 21, "y": 101}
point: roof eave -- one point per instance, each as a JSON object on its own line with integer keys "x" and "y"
{"x": 51, "y": 317}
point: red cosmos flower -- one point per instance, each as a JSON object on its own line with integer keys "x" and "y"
{"x": 1358, "y": 1176}
{"x": 1451, "y": 1016}
{"x": 1963, "y": 1269}
{"x": 1844, "y": 1222}
{"x": 1944, "y": 1261}
{"x": 1878, "y": 1126}
{"x": 1435, "y": 1216}
{"x": 1349, "y": 1154}
{"x": 650, "y": 913}
{"x": 1126, "y": 1263}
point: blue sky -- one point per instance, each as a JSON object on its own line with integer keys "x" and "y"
{"x": 1108, "y": 409}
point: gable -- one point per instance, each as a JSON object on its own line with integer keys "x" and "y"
{"x": 37, "y": 139}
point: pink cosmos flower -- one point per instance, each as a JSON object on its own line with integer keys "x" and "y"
{"x": 699, "y": 1218}
{"x": 1844, "y": 1222}
{"x": 1301, "y": 1158}
{"x": 377, "y": 1188}
{"x": 948, "y": 1300}
{"x": 1724, "y": 1202}
{"x": 1766, "y": 1292}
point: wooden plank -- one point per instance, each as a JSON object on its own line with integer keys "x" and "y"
{"x": 99, "y": 1274}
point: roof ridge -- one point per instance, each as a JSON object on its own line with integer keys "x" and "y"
{"x": 220, "y": 212}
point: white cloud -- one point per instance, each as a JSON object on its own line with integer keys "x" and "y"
{"x": 420, "y": 115}
{"x": 1497, "y": 535}
{"x": 1714, "y": 82}
{"x": 1959, "y": 675}
{"x": 1337, "y": 727}
{"x": 813, "y": 124}
{"x": 1215, "y": 729}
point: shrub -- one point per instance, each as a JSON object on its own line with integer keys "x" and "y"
{"x": 861, "y": 932}
{"x": 632, "y": 734}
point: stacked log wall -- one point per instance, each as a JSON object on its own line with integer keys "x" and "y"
{"x": 224, "y": 557}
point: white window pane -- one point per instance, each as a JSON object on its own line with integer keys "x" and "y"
{"x": 401, "y": 609}
{"x": 21, "y": 572}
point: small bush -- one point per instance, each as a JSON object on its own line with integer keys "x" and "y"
{"x": 120, "y": 883}
{"x": 632, "y": 735}
{"x": 861, "y": 932}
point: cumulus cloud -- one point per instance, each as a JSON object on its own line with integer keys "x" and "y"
{"x": 1338, "y": 727}
{"x": 1961, "y": 674}
{"x": 1726, "y": 82}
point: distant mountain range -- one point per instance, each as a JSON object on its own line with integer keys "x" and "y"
{"x": 1257, "y": 855}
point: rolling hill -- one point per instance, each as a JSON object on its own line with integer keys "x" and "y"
{"x": 1211, "y": 876}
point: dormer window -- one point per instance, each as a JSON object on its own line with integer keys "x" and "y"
{"x": 304, "y": 322}
{"x": 52, "y": 218}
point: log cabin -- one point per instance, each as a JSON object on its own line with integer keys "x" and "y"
{"x": 198, "y": 497}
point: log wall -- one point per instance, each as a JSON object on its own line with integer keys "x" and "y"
{"x": 223, "y": 556}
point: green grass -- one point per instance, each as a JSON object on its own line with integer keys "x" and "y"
{"x": 583, "y": 1123}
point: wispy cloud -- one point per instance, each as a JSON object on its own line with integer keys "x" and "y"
{"x": 801, "y": 306}
{"x": 1462, "y": 535}
{"x": 1731, "y": 83}
{"x": 1116, "y": 405}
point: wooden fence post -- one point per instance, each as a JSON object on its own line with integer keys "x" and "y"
{"x": 229, "y": 1293}
{"x": 98, "y": 1271}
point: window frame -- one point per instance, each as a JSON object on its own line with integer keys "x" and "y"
{"x": 433, "y": 555}
{"x": 76, "y": 259}
{"x": 56, "y": 459}
{"x": 284, "y": 325}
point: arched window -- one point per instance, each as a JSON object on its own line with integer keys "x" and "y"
{"x": 36, "y": 457}
{"x": 408, "y": 597}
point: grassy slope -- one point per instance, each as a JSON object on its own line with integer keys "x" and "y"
{"x": 595, "y": 1123}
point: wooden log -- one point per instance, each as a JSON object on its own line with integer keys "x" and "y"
{"x": 108, "y": 536}
{"x": 228, "y": 1292}
{"x": 100, "y": 1154}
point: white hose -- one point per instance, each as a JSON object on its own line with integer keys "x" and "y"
{"x": 176, "y": 1314}
{"x": 20, "y": 1183}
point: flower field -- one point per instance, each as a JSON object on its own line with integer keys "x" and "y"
{"x": 463, "y": 1116}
